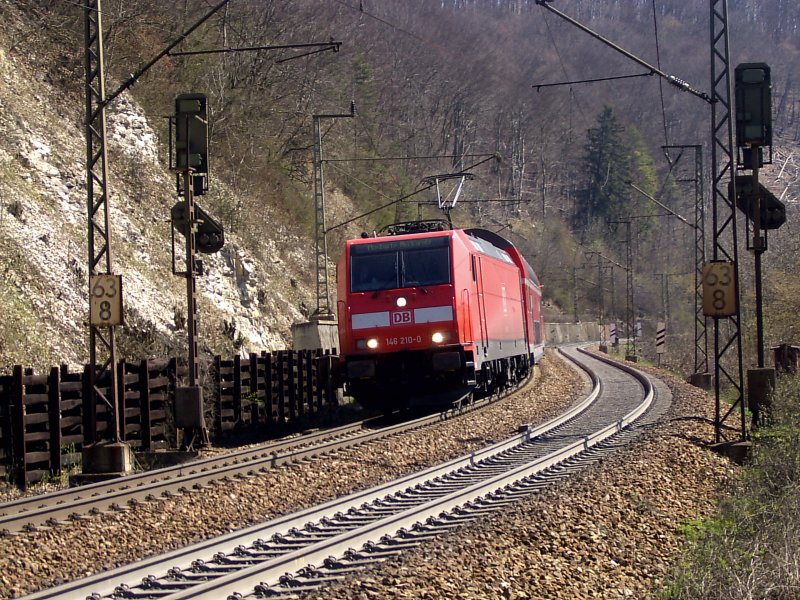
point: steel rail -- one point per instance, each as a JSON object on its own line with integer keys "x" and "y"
{"x": 271, "y": 572}
{"x": 105, "y": 584}
{"x": 33, "y": 511}
{"x": 49, "y": 510}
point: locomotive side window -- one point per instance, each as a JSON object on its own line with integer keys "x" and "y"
{"x": 395, "y": 264}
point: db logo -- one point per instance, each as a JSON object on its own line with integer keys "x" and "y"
{"x": 401, "y": 317}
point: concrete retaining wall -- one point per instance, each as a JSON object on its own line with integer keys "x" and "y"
{"x": 565, "y": 333}
{"x": 315, "y": 334}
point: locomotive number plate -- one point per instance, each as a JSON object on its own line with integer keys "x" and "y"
{"x": 403, "y": 340}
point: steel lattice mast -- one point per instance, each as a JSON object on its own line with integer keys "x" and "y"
{"x": 102, "y": 346}
{"x": 323, "y": 309}
{"x": 727, "y": 330}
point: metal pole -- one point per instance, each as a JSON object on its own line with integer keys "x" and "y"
{"x": 613, "y": 293}
{"x": 728, "y": 369}
{"x": 629, "y": 307}
{"x": 102, "y": 346}
{"x": 191, "y": 271}
{"x": 700, "y": 320}
{"x": 321, "y": 240}
{"x": 603, "y": 341}
{"x": 575, "y": 294}
{"x": 758, "y": 250}
{"x": 323, "y": 309}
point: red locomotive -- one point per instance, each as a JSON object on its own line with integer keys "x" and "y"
{"x": 428, "y": 314}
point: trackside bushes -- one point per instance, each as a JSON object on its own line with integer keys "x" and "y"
{"x": 751, "y": 549}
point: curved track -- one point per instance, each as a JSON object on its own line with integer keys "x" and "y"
{"x": 381, "y": 520}
{"x": 49, "y": 510}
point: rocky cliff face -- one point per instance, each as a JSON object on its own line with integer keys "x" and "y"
{"x": 248, "y": 297}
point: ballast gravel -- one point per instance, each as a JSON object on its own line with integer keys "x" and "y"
{"x": 611, "y": 531}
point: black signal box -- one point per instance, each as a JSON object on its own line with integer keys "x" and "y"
{"x": 210, "y": 235}
{"x": 753, "y": 93}
{"x": 191, "y": 133}
{"x": 772, "y": 213}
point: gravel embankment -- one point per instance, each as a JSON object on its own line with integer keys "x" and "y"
{"x": 613, "y": 531}
{"x": 43, "y": 559}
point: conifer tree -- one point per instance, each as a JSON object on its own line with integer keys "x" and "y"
{"x": 607, "y": 164}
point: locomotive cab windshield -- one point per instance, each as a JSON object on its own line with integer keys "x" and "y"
{"x": 400, "y": 264}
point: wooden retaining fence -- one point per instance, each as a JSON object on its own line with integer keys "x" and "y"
{"x": 45, "y": 422}
{"x": 271, "y": 389}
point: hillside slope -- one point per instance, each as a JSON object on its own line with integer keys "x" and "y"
{"x": 245, "y": 303}
{"x": 450, "y": 83}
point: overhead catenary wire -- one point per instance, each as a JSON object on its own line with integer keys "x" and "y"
{"x": 675, "y": 81}
{"x": 564, "y": 70}
{"x": 396, "y": 200}
{"x": 421, "y": 157}
{"x": 360, "y": 9}
{"x": 458, "y": 55}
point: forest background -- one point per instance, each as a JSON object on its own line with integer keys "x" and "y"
{"x": 439, "y": 86}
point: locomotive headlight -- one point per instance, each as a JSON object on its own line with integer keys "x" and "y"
{"x": 372, "y": 343}
{"x": 437, "y": 337}
{"x": 401, "y": 302}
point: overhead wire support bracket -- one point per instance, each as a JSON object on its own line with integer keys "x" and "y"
{"x": 675, "y": 81}
{"x": 539, "y": 86}
{"x": 165, "y": 52}
{"x": 320, "y": 47}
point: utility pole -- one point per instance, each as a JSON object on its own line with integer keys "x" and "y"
{"x": 575, "y": 294}
{"x": 601, "y": 303}
{"x": 601, "y": 316}
{"x": 614, "y": 313}
{"x": 104, "y": 287}
{"x": 630, "y": 333}
{"x": 664, "y": 282}
{"x": 728, "y": 369}
{"x": 323, "y": 310}
{"x": 701, "y": 376}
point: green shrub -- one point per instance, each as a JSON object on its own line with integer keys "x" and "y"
{"x": 751, "y": 549}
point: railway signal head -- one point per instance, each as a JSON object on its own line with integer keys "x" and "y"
{"x": 191, "y": 133}
{"x": 210, "y": 234}
{"x": 753, "y": 92}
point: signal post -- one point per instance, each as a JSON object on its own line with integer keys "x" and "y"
{"x": 753, "y": 91}
{"x": 203, "y": 234}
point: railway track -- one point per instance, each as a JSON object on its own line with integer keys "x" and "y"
{"x": 55, "y": 508}
{"x": 277, "y": 558}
